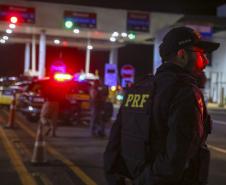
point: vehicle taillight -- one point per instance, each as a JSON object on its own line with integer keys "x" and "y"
{"x": 62, "y": 77}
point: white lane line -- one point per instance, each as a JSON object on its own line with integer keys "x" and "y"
{"x": 219, "y": 122}
{"x": 217, "y": 112}
{"x": 217, "y": 149}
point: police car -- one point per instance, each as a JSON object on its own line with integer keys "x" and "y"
{"x": 7, "y": 90}
{"x": 30, "y": 101}
{"x": 74, "y": 109}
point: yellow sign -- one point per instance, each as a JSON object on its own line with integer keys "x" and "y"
{"x": 136, "y": 100}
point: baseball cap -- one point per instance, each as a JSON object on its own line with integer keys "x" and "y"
{"x": 183, "y": 37}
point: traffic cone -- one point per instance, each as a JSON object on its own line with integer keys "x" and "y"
{"x": 39, "y": 153}
{"x": 12, "y": 110}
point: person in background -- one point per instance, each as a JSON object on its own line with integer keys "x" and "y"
{"x": 98, "y": 98}
{"x": 54, "y": 94}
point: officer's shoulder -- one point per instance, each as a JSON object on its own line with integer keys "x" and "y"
{"x": 186, "y": 93}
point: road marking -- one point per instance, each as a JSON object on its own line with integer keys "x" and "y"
{"x": 217, "y": 149}
{"x": 219, "y": 122}
{"x": 82, "y": 175}
{"x": 24, "y": 175}
{"x": 217, "y": 112}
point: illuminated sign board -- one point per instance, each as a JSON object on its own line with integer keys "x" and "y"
{"x": 127, "y": 74}
{"x": 138, "y": 21}
{"x": 110, "y": 75}
{"x": 81, "y": 19}
{"x": 24, "y": 14}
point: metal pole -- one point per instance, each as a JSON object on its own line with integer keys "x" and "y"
{"x": 87, "y": 58}
{"x": 27, "y": 58}
{"x": 221, "y": 104}
{"x": 113, "y": 58}
{"x": 42, "y": 54}
{"x": 217, "y": 84}
{"x": 33, "y": 66}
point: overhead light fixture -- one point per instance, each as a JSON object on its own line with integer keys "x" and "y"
{"x": 115, "y": 34}
{"x": 124, "y": 34}
{"x": 5, "y": 37}
{"x": 112, "y": 39}
{"x": 2, "y": 41}
{"x": 76, "y": 30}
{"x": 56, "y": 41}
{"x": 12, "y": 26}
{"x": 9, "y": 31}
{"x": 90, "y": 47}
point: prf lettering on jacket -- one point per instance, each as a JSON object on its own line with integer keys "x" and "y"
{"x": 136, "y": 100}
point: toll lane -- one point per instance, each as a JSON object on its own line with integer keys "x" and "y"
{"x": 217, "y": 145}
{"x": 75, "y": 157}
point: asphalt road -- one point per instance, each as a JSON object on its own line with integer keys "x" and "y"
{"x": 75, "y": 157}
{"x": 217, "y": 144}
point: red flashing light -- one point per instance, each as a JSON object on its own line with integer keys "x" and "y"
{"x": 13, "y": 19}
{"x": 62, "y": 77}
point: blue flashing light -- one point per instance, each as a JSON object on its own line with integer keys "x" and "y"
{"x": 81, "y": 77}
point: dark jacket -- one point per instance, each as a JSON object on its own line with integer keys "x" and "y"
{"x": 177, "y": 130}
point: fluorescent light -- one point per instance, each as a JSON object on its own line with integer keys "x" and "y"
{"x": 112, "y": 39}
{"x": 115, "y": 34}
{"x": 2, "y": 41}
{"x": 9, "y": 31}
{"x": 90, "y": 47}
{"x": 12, "y": 26}
{"x": 56, "y": 41}
{"x": 124, "y": 34}
{"x": 5, "y": 37}
{"x": 76, "y": 31}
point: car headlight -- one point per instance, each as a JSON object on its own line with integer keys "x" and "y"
{"x": 30, "y": 108}
{"x": 119, "y": 97}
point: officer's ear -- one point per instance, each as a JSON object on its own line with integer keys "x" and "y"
{"x": 181, "y": 53}
{"x": 181, "y": 57}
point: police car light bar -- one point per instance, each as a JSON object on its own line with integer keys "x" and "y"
{"x": 62, "y": 77}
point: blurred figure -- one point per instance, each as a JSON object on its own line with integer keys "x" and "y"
{"x": 54, "y": 93}
{"x": 49, "y": 116}
{"x": 98, "y": 98}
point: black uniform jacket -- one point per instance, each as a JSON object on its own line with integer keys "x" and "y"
{"x": 177, "y": 130}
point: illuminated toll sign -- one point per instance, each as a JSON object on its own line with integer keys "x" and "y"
{"x": 110, "y": 75}
{"x": 138, "y": 21}
{"x": 80, "y": 19}
{"x": 23, "y": 14}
